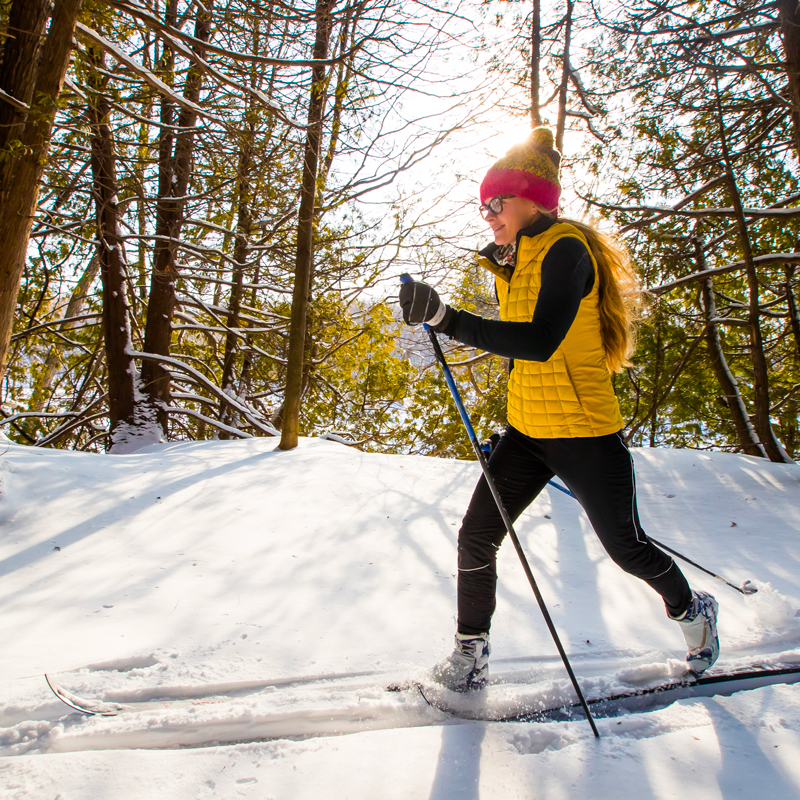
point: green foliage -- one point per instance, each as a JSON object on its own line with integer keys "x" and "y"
{"x": 670, "y": 105}
{"x": 694, "y": 114}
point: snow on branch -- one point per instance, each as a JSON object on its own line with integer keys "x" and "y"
{"x": 156, "y": 24}
{"x": 100, "y": 41}
{"x": 241, "y": 333}
{"x": 69, "y": 425}
{"x": 576, "y": 81}
{"x": 241, "y": 87}
{"x": 53, "y": 324}
{"x": 472, "y": 361}
{"x": 204, "y": 223}
{"x": 658, "y": 213}
{"x": 12, "y": 101}
{"x": 39, "y": 414}
{"x": 770, "y": 258}
{"x": 248, "y": 413}
{"x": 769, "y": 213}
{"x": 334, "y": 437}
{"x": 742, "y": 323}
{"x": 209, "y": 421}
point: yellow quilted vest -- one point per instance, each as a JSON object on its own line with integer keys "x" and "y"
{"x": 570, "y": 394}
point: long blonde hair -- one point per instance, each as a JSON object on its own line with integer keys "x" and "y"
{"x": 620, "y": 297}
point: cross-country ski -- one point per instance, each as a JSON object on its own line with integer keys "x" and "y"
{"x": 501, "y": 700}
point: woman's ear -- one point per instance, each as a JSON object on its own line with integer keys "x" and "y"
{"x": 534, "y": 212}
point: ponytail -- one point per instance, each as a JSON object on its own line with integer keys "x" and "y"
{"x": 619, "y": 293}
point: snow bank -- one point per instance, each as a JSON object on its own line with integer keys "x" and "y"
{"x": 302, "y": 582}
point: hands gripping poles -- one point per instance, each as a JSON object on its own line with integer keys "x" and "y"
{"x": 405, "y": 278}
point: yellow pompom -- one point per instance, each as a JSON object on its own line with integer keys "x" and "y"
{"x": 541, "y": 138}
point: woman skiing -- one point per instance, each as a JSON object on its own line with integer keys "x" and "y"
{"x": 565, "y": 325}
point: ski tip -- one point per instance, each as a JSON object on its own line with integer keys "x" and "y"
{"x": 748, "y": 587}
{"x": 83, "y": 705}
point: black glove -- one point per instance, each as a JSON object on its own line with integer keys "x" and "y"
{"x": 421, "y": 303}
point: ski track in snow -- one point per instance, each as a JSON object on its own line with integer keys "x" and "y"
{"x": 270, "y": 598}
{"x": 312, "y": 706}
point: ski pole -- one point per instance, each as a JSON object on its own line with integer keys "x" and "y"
{"x": 405, "y": 278}
{"x": 746, "y": 588}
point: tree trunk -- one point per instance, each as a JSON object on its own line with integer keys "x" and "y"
{"x": 789, "y": 15}
{"x": 305, "y": 233}
{"x": 657, "y": 368}
{"x": 240, "y": 248}
{"x": 561, "y": 122}
{"x": 745, "y": 433}
{"x": 761, "y": 418}
{"x": 536, "y": 57}
{"x": 32, "y": 72}
{"x": 791, "y": 302}
{"x": 113, "y": 270}
{"x": 20, "y": 58}
{"x": 174, "y": 174}
{"x": 343, "y": 78}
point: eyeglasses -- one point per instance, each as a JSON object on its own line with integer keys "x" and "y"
{"x": 495, "y": 205}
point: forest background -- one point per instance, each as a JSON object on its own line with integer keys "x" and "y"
{"x": 206, "y": 207}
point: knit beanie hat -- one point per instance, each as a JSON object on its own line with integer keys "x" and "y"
{"x": 528, "y": 170}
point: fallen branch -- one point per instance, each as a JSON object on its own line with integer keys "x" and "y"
{"x": 42, "y": 414}
{"x": 246, "y": 412}
{"x": 208, "y": 420}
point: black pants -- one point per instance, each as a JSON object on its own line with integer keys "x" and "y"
{"x": 598, "y": 470}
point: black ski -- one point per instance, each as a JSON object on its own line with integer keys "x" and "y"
{"x": 478, "y": 706}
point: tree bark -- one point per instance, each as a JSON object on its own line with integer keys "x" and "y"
{"x": 657, "y": 368}
{"x": 791, "y": 302}
{"x": 305, "y": 233}
{"x": 561, "y": 122}
{"x": 113, "y": 270}
{"x": 745, "y": 433}
{"x": 536, "y": 58}
{"x": 20, "y": 58}
{"x": 175, "y": 165}
{"x": 343, "y": 78}
{"x": 244, "y": 227}
{"x": 789, "y": 15}
{"x": 32, "y": 72}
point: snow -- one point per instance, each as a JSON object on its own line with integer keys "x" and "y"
{"x": 144, "y": 430}
{"x": 299, "y": 584}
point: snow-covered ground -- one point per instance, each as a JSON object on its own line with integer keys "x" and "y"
{"x": 299, "y": 584}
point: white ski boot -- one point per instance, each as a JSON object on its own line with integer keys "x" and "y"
{"x": 699, "y": 623}
{"x": 467, "y": 667}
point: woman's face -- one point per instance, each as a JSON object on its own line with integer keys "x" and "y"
{"x": 517, "y": 214}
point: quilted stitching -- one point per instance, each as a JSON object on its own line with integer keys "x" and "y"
{"x": 569, "y": 395}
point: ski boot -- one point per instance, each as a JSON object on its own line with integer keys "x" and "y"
{"x": 467, "y": 667}
{"x": 699, "y": 623}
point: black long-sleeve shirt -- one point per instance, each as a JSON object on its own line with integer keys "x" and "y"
{"x": 567, "y": 277}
